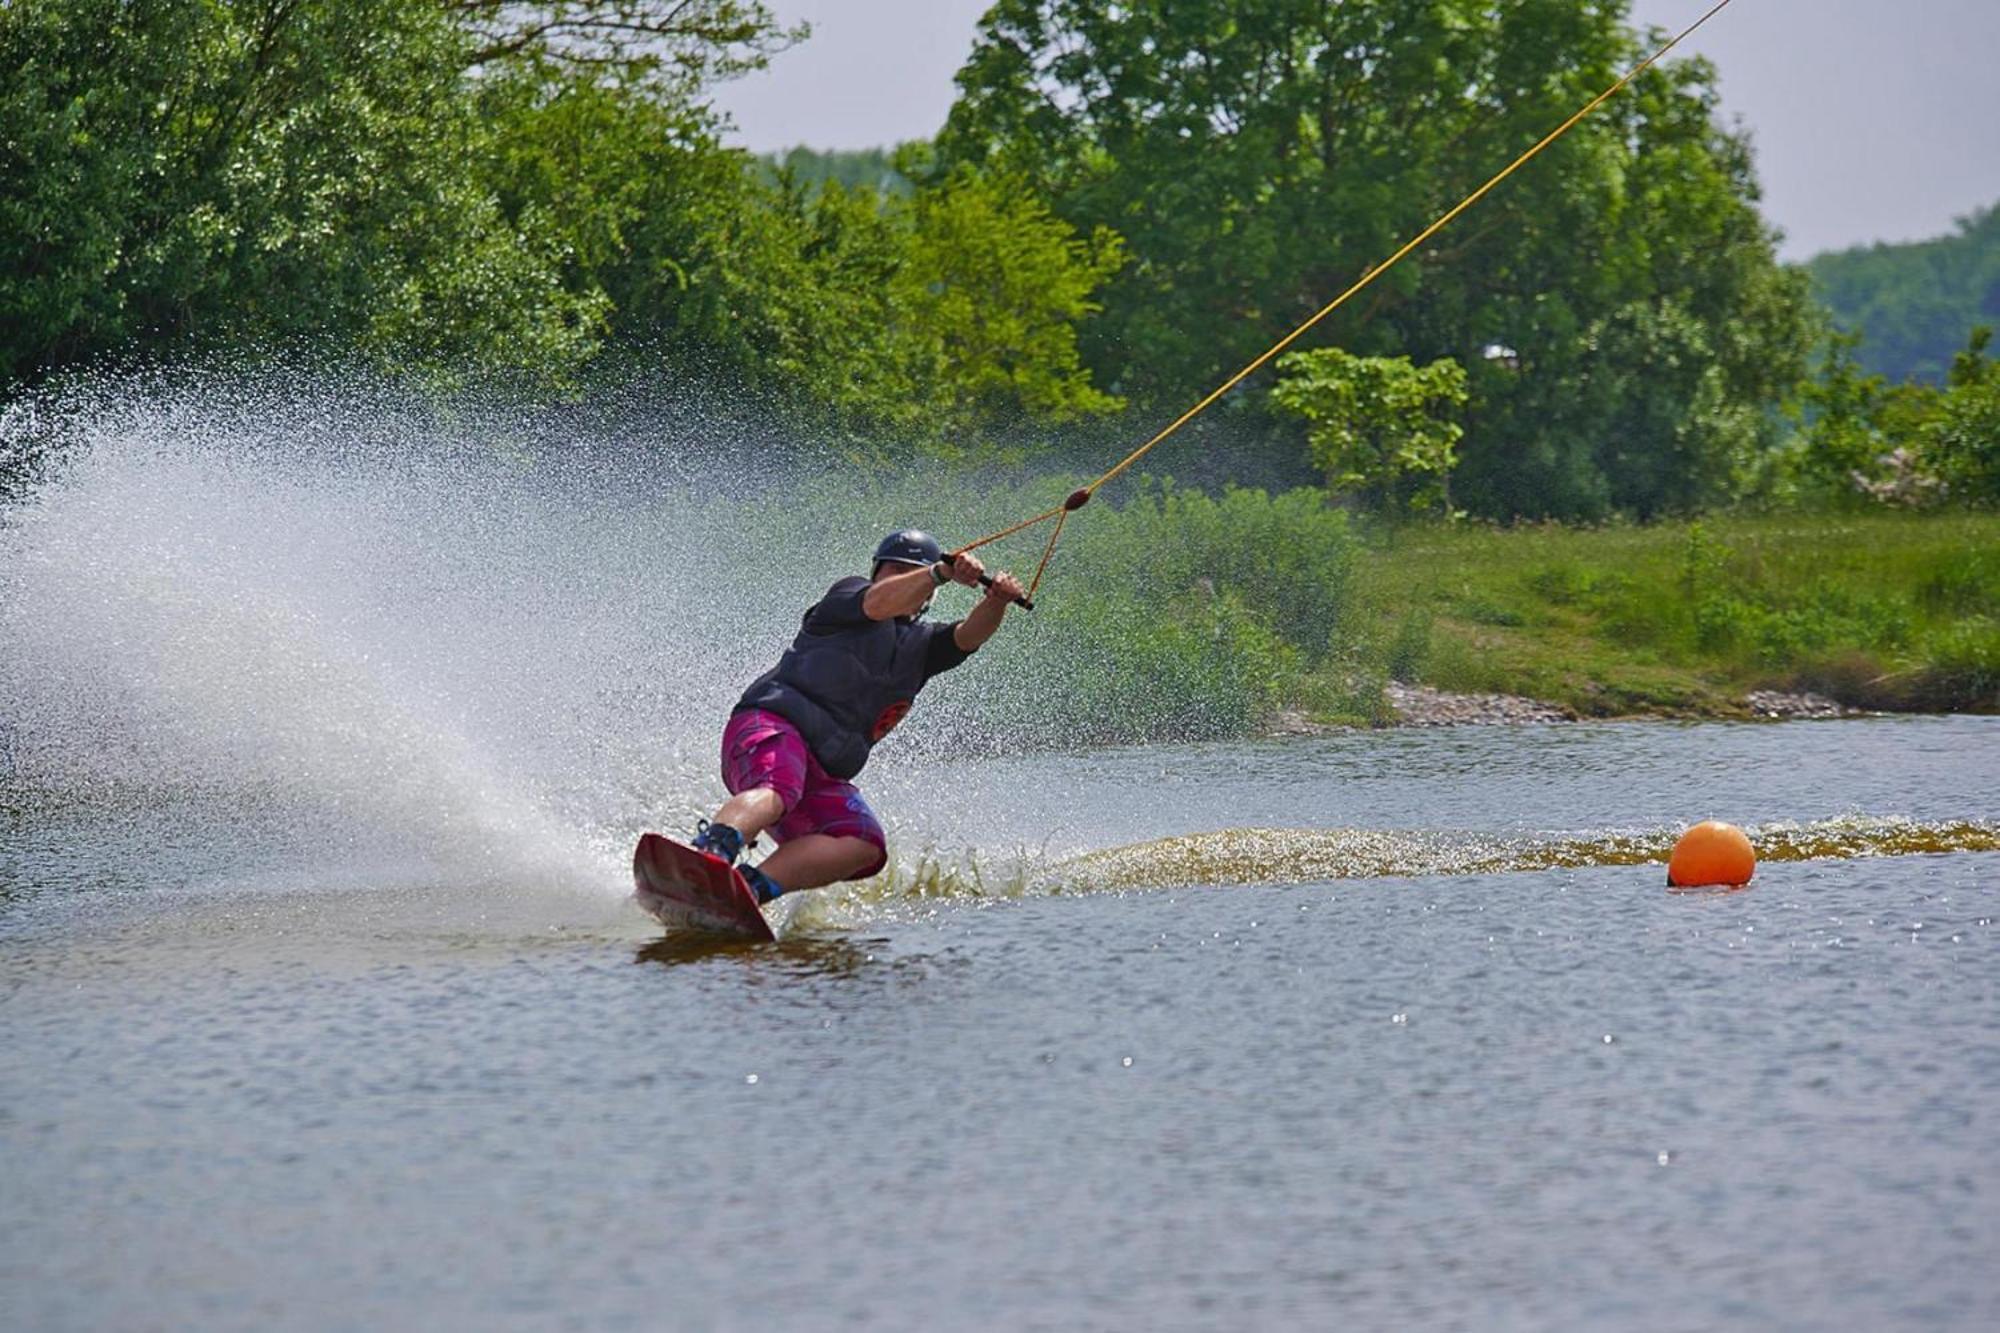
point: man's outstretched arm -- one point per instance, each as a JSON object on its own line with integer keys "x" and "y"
{"x": 979, "y": 624}
{"x": 904, "y": 593}
{"x": 900, "y": 594}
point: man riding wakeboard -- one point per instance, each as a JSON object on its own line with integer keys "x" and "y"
{"x": 803, "y": 729}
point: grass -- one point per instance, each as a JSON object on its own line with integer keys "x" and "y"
{"x": 1881, "y": 611}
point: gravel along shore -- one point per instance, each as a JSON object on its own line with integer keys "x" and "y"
{"x": 1422, "y": 706}
{"x": 1789, "y": 706}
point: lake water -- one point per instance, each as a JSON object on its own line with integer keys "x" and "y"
{"x": 328, "y": 720}
{"x": 260, "y": 1073}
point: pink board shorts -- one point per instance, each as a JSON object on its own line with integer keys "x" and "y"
{"x": 761, "y": 749}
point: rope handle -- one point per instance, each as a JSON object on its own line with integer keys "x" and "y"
{"x": 950, "y": 558}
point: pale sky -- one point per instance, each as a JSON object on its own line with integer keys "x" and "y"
{"x": 1873, "y": 119}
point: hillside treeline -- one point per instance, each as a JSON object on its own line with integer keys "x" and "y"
{"x": 1126, "y": 203}
{"x": 1911, "y": 304}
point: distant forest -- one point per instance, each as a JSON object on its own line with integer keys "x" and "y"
{"x": 855, "y": 168}
{"x": 1913, "y": 304}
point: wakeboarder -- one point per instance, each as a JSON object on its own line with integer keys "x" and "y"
{"x": 804, "y": 729}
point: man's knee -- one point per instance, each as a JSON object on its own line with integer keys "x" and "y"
{"x": 767, "y": 803}
{"x": 862, "y": 857}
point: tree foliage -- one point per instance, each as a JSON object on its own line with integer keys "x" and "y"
{"x": 1129, "y": 202}
{"x": 235, "y": 172}
{"x": 1842, "y": 437}
{"x": 1915, "y": 302}
{"x": 506, "y": 185}
{"x": 1259, "y": 157}
{"x": 925, "y": 315}
{"x": 1378, "y": 425}
{"x": 679, "y": 46}
{"x": 1963, "y": 441}
{"x": 1865, "y": 441}
{"x": 983, "y": 309}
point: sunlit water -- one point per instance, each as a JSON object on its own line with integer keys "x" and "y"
{"x": 321, "y": 1005}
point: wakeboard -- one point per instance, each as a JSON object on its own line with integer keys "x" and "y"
{"x": 684, "y": 889}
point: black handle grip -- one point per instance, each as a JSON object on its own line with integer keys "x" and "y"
{"x": 986, "y": 581}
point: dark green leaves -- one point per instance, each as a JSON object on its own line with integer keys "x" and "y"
{"x": 1259, "y": 155}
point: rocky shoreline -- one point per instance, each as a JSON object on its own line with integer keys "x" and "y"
{"x": 1781, "y": 705}
{"x": 1424, "y": 706}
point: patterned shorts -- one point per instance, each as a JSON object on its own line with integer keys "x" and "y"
{"x": 761, "y": 749}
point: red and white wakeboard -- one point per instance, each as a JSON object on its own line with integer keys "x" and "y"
{"x": 684, "y": 889}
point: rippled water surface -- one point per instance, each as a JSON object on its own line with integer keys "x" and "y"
{"x": 328, "y": 718}
{"x": 1388, "y": 1061}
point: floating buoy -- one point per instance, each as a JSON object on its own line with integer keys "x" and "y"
{"x": 1712, "y": 854}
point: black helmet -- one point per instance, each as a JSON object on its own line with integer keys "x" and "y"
{"x": 908, "y": 547}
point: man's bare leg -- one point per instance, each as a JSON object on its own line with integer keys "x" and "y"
{"x": 818, "y": 859}
{"x": 751, "y": 811}
{"x": 811, "y": 862}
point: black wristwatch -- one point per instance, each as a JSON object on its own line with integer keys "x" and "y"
{"x": 938, "y": 576}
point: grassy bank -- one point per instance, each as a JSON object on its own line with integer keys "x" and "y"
{"x": 1880, "y": 611}
{"x": 1172, "y": 613}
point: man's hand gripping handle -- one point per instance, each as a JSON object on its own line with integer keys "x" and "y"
{"x": 950, "y": 561}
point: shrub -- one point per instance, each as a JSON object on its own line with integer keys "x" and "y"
{"x": 1289, "y": 559}
{"x": 1176, "y": 615}
{"x": 1199, "y": 666}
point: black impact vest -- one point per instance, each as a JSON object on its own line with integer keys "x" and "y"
{"x": 845, "y": 686}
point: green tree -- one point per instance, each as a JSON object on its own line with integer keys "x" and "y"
{"x": 228, "y": 172}
{"x": 478, "y": 184}
{"x": 222, "y": 172}
{"x": 1963, "y": 443}
{"x": 942, "y": 313}
{"x": 1258, "y": 157}
{"x": 985, "y": 304}
{"x": 1378, "y": 425}
{"x": 677, "y": 48}
{"x": 1864, "y": 441}
{"x": 928, "y": 314}
{"x": 1840, "y": 438}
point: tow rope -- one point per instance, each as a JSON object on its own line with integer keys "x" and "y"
{"x": 1082, "y": 495}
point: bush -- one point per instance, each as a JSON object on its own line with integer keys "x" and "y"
{"x": 1964, "y": 440}
{"x": 1182, "y": 615}
{"x": 1110, "y": 667}
{"x": 1288, "y": 558}
{"x": 1379, "y": 426}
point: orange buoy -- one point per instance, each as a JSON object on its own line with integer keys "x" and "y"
{"x": 1711, "y": 854}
